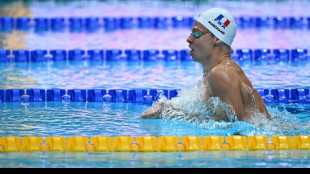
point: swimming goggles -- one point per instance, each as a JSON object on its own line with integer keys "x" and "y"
{"x": 197, "y": 34}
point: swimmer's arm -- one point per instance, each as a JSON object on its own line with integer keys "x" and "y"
{"x": 226, "y": 86}
{"x": 156, "y": 110}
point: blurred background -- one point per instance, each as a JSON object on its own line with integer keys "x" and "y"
{"x": 250, "y": 16}
{"x": 36, "y": 25}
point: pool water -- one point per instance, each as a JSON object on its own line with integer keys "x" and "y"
{"x": 139, "y": 75}
{"x": 143, "y": 39}
{"x": 123, "y": 119}
{"x": 115, "y": 119}
{"x": 223, "y": 159}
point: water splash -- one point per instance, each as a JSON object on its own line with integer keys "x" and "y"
{"x": 190, "y": 107}
{"x": 282, "y": 123}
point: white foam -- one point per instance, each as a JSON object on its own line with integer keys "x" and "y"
{"x": 190, "y": 107}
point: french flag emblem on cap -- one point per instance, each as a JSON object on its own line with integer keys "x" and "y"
{"x": 224, "y": 22}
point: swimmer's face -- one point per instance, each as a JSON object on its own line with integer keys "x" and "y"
{"x": 200, "y": 42}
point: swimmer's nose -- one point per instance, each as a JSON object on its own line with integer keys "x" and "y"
{"x": 189, "y": 39}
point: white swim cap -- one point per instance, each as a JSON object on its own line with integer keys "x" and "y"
{"x": 220, "y": 22}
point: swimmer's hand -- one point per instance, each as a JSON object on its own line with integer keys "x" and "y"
{"x": 153, "y": 112}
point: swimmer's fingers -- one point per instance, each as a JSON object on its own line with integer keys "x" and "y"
{"x": 155, "y": 111}
{"x": 151, "y": 113}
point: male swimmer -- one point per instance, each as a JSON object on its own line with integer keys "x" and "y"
{"x": 210, "y": 42}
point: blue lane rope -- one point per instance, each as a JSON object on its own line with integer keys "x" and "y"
{"x": 8, "y": 23}
{"x": 297, "y": 95}
{"x": 240, "y": 55}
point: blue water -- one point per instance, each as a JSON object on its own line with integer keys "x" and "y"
{"x": 115, "y": 119}
{"x": 223, "y": 159}
{"x": 143, "y": 75}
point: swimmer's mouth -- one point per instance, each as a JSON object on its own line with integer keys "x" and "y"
{"x": 190, "y": 53}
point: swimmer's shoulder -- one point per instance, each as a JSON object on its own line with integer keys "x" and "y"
{"x": 230, "y": 68}
{"x": 220, "y": 75}
{"x": 226, "y": 69}
{"x": 235, "y": 72}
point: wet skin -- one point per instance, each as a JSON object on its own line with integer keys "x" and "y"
{"x": 223, "y": 78}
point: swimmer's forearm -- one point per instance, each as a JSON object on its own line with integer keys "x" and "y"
{"x": 156, "y": 111}
{"x": 153, "y": 112}
{"x": 172, "y": 112}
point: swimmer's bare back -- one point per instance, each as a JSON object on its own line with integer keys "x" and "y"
{"x": 228, "y": 82}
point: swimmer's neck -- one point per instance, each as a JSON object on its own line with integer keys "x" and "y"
{"x": 213, "y": 61}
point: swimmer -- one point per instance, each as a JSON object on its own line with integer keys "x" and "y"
{"x": 210, "y": 42}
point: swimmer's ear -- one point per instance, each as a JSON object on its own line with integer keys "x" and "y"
{"x": 217, "y": 41}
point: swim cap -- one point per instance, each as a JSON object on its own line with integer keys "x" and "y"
{"x": 220, "y": 22}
